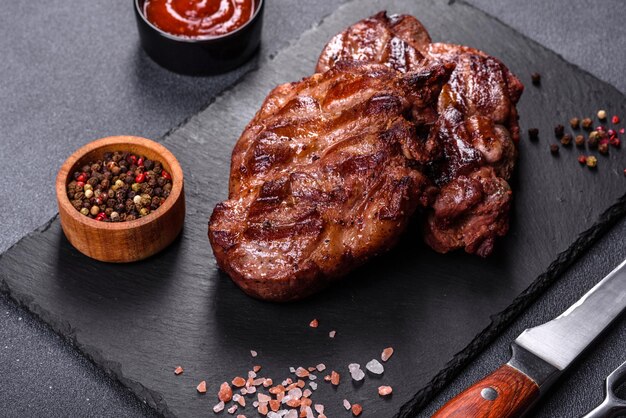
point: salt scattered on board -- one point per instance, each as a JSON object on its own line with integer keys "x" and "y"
{"x": 375, "y": 367}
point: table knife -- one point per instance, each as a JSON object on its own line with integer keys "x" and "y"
{"x": 541, "y": 354}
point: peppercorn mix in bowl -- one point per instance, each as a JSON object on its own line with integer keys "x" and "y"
{"x": 121, "y": 198}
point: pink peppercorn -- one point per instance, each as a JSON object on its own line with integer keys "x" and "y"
{"x": 582, "y": 159}
{"x": 615, "y": 120}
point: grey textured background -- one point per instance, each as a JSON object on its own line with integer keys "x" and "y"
{"x": 51, "y": 53}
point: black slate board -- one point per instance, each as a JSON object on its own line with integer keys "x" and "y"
{"x": 139, "y": 320}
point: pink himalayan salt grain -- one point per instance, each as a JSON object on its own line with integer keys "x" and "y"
{"x": 346, "y": 404}
{"x": 386, "y": 354}
{"x": 332, "y": 334}
{"x": 219, "y": 407}
{"x": 385, "y": 390}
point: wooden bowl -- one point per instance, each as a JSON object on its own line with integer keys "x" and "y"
{"x": 121, "y": 242}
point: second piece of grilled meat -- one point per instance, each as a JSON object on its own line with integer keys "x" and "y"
{"x": 477, "y": 126}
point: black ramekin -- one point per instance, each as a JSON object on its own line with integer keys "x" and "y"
{"x": 200, "y": 56}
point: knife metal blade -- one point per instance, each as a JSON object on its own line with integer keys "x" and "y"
{"x": 560, "y": 341}
{"x": 541, "y": 354}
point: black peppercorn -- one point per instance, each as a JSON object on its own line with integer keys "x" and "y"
{"x": 559, "y": 130}
{"x": 533, "y": 133}
{"x": 536, "y": 78}
{"x": 554, "y": 148}
{"x": 148, "y": 164}
{"x": 603, "y": 148}
{"x": 574, "y": 123}
{"x": 587, "y": 124}
{"x": 566, "y": 139}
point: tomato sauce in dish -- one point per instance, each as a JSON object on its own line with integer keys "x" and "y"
{"x": 198, "y": 18}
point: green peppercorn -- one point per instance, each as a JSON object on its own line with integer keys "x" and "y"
{"x": 136, "y": 187}
{"x": 87, "y": 187}
{"x": 84, "y": 211}
{"x": 592, "y": 161}
{"x": 144, "y": 211}
{"x": 145, "y": 200}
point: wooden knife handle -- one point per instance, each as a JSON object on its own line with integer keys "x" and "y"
{"x": 504, "y": 393}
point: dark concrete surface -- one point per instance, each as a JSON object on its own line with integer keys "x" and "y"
{"x": 51, "y": 105}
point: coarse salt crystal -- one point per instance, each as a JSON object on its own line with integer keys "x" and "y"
{"x": 295, "y": 393}
{"x": 255, "y": 404}
{"x": 320, "y": 367}
{"x": 346, "y": 404}
{"x": 201, "y": 388}
{"x": 253, "y": 353}
{"x": 292, "y": 370}
{"x": 354, "y": 366}
{"x": 386, "y": 354}
{"x": 306, "y": 393}
{"x": 375, "y": 367}
{"x": 313, "y": 385}
{"x": 312, "y": 377}
{"x": 309, "y": 412}
{"x": 178, "y": 370}
{"x": 292, "y": 414}
{"x": 332, "y": 334}
{"x": 319, "y": 408}
{"x": 384, "y": 390}
{"x": 357, "y": 374}
{"x": 314, "y": 323}
{"x": 302, "y": 372}
{"x": 219, "y": 407}
{"x": 252, "y": 389}
{"x": 263, "y": 397}
{"x": 232, "y": 409}
{"x": 251, "y": 374}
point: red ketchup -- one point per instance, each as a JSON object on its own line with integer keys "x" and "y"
{"x": 198, "y": 18}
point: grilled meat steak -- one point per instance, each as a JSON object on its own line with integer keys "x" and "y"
{"x": 325, "y": 176}
{"x": 476, "y": 133}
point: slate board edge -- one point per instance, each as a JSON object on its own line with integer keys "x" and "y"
{"x": 499, "y": 321}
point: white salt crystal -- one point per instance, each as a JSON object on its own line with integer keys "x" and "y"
{"x": 332, "y": 334}
{"x": 313, "y": 385}
{"x": 292, "y": 414}
{"x": 253, "y": 353}
{"x": 357, "y": 374}
{"x": 292, "y": 369}
{"x": 295, "y": 393}
{"x": 312, "y": 377}
{"x": 320, "y": 367}
{"x": 232, "y": 409}
{"x": 346, "y": 404}
{"x": 307, "y": 393}
{"x": 353, "y": 366}
{"x": 219, "y": 407}
{"x": 375, "y": 367}
{"x": 319, "y": 408}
